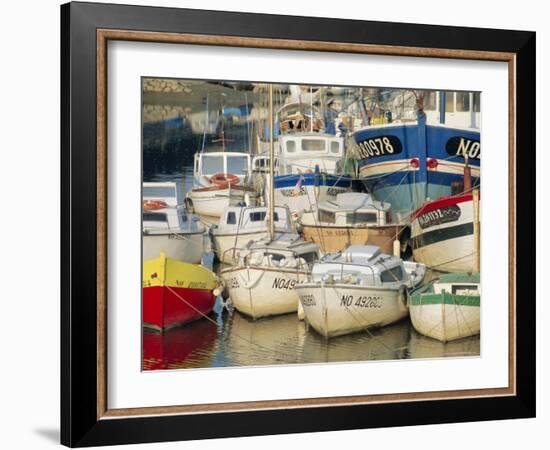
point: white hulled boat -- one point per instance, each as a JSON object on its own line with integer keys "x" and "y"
{"x": 167, "y": 227}
{"x": 309, "y": 160}
{"x": 239, "y": 225}
{"x": 357, "y": 289}
{"x": 354, "y": 218}
{"x": 443, "y": 234}
{"x": 220, "y": 180}
{"x": 262, "y": 282}
{"x": 447, "y": 308}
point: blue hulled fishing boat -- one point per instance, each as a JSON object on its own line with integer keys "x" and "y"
{"x": 407, "y": 163}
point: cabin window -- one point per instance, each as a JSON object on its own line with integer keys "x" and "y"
{"x": 310, "y": 257}
{"x": 477, "y": 101}
{"x": 327, "y": 216}
{"x": 290, "y": 146}
{"x": 237, "y": 165}
{"x": 212, "y": 165}
{"x": 358, "y": 218}
{"x": 313, "y": 145}
{"x": 154, "y": 217}
{"x": 335, "y": 147}
{"x": 430, "y": 101}
{"x": 392, "y": 275}
{"x": 462, "y": 101}
{"x": 276, "y": 256}
{"x": 231, "y": 218}
{"x": 262, "y": 163}
{"x": 159, "y": 192}
{"x": 259, "y": 216}
{"x": 449, "y": 102}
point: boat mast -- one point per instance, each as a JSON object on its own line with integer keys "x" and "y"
{"x": 477, "y": 261}
{"x": 271, "y": 167}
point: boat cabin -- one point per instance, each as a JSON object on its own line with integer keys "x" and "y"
{"x": 353, "y": 209}
{"x": 302, "y": 152}
{"x": 286, "y": 251}
{"x": 453, "y": 108}
{"x": 161, "y": 212}
{"x": 367, "y": 265}
{"x": 458, "y": 283}
{"x": 248, "y": 219}
{"x": 208, "y": 164}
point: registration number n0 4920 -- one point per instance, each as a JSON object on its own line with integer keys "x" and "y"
{"x": 362, "y": 301}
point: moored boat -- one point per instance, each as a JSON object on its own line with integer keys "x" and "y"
{"x": 176, "y": 292}
{"x": 354, "y": 218}
{"x": 357, "y": 289}
{"x": 220, "y": 180}
{"x": 443, "y": 234}
{"x": 262, "y": 282}
{"x": 309, "y": 160}
{"x": 167, "y": 227}
{"x": 447, "y": 308}
{"x": 407, "y": 163}
{"x": 239, "y": 225}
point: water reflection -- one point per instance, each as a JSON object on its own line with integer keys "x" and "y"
{"x": 424, "y": 347}
{"x": 188, "y": 346}
{"x": 231, "y": 339}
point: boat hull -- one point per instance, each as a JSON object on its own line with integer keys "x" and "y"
{"x": 335, "y": 239}
{"x": 406, "y": 163}
{"x": 187, "y": 247}
{"x": 175, "y": 292}
{"x": 339, "y": 309}
{"x": 211, "y": 202}
{"x": 445, "y": 317}
{"x": 260, "y": 292}
{"x": 442, "y": 235}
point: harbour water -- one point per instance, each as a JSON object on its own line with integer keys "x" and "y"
{"x": 228, "y": 338}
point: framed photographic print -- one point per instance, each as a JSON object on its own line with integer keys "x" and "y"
{"x": 273, "y": 224}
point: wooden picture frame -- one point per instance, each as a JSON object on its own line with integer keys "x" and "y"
{"x": 85, "y": 416}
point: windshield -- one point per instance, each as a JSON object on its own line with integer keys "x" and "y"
{"x": 315, "y": 145}
{"x": 212, "y": 165}
{"x": 237, "y": 165}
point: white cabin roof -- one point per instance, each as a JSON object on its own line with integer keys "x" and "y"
{"x": 365, "y": 263}
{"x": 284, "y": 243}
{"x": 354, "y": 202}
{"x": 165, "y": 191}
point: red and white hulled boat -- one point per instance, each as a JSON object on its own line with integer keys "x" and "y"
{"x": 442, "y": 234}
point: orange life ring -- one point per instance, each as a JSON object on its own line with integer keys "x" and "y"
{"x": 225, "y": 179}
{"x": 154, "y": 204}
